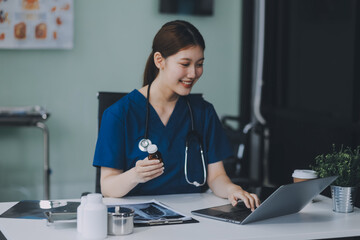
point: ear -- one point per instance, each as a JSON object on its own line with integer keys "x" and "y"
{"x": 159, "y": 60}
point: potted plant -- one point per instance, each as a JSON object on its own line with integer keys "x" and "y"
{"x": 344, "y": 163}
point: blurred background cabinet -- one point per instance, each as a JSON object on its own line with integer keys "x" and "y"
{"x": 311, "y": 91}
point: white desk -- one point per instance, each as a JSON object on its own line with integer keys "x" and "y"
{"x": 315, "y": 221}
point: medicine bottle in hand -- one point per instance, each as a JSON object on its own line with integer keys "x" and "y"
{"x": 154, "y": 153}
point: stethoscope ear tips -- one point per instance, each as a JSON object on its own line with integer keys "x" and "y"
{"x": 196, "y": 184}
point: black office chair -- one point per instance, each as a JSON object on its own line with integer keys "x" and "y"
{"x": 238, "y": 166}
{"x": 106, "y": 99}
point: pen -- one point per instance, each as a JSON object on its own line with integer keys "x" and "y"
{"x": 164, "y": 221}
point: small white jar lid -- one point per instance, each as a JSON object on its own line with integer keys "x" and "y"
{"x": 304, "y": 174}
{"x": 152, "y": 148}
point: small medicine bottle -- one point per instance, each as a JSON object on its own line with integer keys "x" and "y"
{"x": 154, "y": 153}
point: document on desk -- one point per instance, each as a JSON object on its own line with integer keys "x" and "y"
{"x": 154, "y": 213}
{"x": 37, "y": 209}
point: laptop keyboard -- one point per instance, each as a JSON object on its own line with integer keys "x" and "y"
{"x": 237, "y": 213}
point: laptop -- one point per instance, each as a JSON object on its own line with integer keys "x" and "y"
{"x": 287, "y": 199}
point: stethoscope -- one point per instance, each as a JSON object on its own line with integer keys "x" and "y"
{"x": 192, "y": 135}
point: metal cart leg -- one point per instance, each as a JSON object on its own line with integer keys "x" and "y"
{"x": 46, "y": 160}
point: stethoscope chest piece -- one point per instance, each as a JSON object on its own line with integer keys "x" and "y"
{"x": 143, "y": 144}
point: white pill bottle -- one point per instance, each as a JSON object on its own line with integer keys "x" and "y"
{"x": 94, "y": 217}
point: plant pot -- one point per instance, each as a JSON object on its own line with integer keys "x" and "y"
{"x": 343, "y": 198}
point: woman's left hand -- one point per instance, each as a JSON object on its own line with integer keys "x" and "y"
{"x": 251, "y": 200}
{"x": 222, "y": 186}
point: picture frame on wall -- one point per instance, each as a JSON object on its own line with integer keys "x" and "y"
{"x": 36, "y": 24}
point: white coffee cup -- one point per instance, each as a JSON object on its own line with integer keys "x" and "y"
{"x": 301, "y": 175}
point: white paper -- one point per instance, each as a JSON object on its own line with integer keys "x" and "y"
{"x": 153, "y": 211}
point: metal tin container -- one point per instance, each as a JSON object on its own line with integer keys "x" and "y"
{"x": 343, "y": 198}
{"x": 121, "y": 221}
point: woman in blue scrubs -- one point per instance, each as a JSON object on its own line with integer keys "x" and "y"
{"x": 173, "y": 67}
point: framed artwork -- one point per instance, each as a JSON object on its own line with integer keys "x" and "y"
{"x": 36, "y": 24}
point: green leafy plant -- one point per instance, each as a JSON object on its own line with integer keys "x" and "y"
{"x": 344, "y": 163}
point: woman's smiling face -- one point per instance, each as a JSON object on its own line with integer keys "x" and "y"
{"x": 180, "y": 71}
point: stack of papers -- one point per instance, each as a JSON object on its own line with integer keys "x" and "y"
{"x": 154, "y": 213}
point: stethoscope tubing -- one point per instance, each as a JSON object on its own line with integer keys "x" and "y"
{"x": 145, "y": 142}
{"x": 195, "y": 183}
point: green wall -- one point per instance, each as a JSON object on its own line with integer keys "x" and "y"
{"x": 111, "y": 44}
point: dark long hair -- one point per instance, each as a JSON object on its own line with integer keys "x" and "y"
{"x": 170, "y": 39}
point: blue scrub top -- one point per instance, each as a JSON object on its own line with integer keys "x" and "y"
{"x": 123, "y": 126}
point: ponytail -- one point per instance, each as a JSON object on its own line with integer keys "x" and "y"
{"x": 151, "y": 71}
